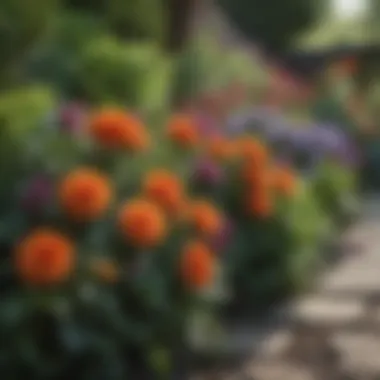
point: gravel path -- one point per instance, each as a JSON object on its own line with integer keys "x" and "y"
{"x": 332, "y": 333}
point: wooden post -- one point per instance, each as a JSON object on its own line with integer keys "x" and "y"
{"x": 180, "y": 14}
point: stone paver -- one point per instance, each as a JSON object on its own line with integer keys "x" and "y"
{"x": 333, "y": 333}
{"x": 275, "y": 344}
{"x": 360, "y": 351}
{"x": 278, "y": 371}
{"x": 323, "y": 311}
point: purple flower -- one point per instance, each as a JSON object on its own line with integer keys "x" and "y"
{"x": 208, "y": 173}
{"x": 301, "y": 139}
{"x": 276, "y": 132}
{"x": 347, "y": 154}
{"x": 262, "y": 120}
{"x": 37, "y": 194}
{"x": 72, "y": 117}
{"x": 328, "y": 138}
{"x": 224, "y": 237}
{"x": 238, "y": 123}
{"x": 207, "y": 125}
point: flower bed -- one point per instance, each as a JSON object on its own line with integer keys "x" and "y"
{"x": 103, "y": 261}
{"x": 290, "y": 194}
{"x": 120, "y": 242}
{"x": 123, "y": 239}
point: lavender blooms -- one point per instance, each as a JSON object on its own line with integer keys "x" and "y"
{"x": 224, "y": 237}
{"x": 316, "y": 141}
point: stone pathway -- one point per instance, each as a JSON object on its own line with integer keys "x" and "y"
{"x": 331, "y": 334}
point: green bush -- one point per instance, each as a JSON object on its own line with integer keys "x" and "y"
{"x": 22, "y": 112}
{"x": 113, "y": 72}
{"x": 132, "y": 309}
{"x": 130, "y": 20}
{"x": 335, "y": 190}
{"x": 142, "y": 19}
{"x": 22, "y": 26}
{"x": 271, "y": 258}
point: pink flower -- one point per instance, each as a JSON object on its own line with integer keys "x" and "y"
{"x": 208, "y": 173}
{"x": 224, "y": 237}
{"x": 37, "y": 194}
{"x": 72, "y": 117}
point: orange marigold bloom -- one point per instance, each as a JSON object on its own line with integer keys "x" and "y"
{"x": 206, "y": 218}
{"x": 143, "y": 223}
{"x": 197, "y": 265}
{"x": 285, "y": 181}
{"x": 105, "y": 270}
{"x": 183, "y": 131}
{"x": 45, "y": 257}
{"x": 117, "y": 129}
{"x": 164, "y": 188}
{"x": 220, "y": 149}
{"x": 260, "y": 203}
{"x": 252, "y": 150}
{"x": 85, "y": 194}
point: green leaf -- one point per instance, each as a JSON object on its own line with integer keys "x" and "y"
{"x": 160, "y": 360}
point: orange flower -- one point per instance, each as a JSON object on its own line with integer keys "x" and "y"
{"x": 165, "y": 189}
{"x": 183, "y": 131}
{"x": 260, "y": 203}
{"x": 255, "y": 175}
{"x": 252, "y": 151}
{"x": 45, "y": 257}
{"x": 142, "y": 223}
{"x": 117, "y": 129}
{"x": 85, "y": 194}
{"x": 285, "y": 181}
{"x": 105, "y": 270}
{"x": 205, "y": 218}
{"x": 220, "y": 149}
{"x": 197, "y": 265}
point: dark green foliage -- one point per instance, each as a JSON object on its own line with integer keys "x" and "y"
{"x": 86, "y": 328}
{"x": 334, "y": 190}
{"x": 93, "y": 6}
{"x": 180, "y": 14}
{"x": 272, "y": 23}
{"x": 22, "y": 111}
{"x": 85, "y": 61}
{"x": 264, "y": 269}
{"x": 56, "y": 61}
{"x": 22, "y": 24}
{"x": 328, "y": 109}
{"x": 136, "y": 19}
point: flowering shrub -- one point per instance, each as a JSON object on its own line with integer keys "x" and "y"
{"x": 335, "y": 189}
{"x": 275, "y": 225}
{"x": 284, "y": 186}
{"x": 105, "y": 255}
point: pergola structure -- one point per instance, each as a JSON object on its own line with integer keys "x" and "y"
{"x": 332, "y": 42}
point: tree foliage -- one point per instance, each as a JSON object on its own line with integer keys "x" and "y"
{"x": 137, "y": 19}
{"x": 21, "y": 26}
{"x": 272, "y": 23}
